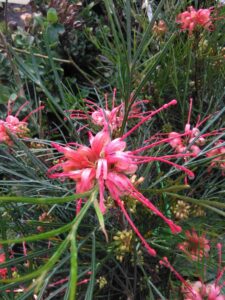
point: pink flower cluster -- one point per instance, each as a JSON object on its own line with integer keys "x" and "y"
{"x": 4, "y": 271}
{"x": 196, "y": 247}
{"x": 192, "y": 18}
{"x": 13, "y": 125}
{"x": 106, "y": 164}
{"x": 191, "y": 141}
{"x": 180, "y": 142}
{"x": 219, "y": 153}
{"x": 109, "y": 118}
{"x": 199, "y": 290}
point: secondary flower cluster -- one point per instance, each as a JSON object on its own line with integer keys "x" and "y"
{"x": 14, "y": 126}
{"x": 196, "y": 247}
{"x": 191, "y": 141}
{"x": 199, "y": 290}
{"x": 106, "y": 164}
{"x": 180, "y": 142}
{"x": 219, "y": 156}
{"x": 192, "y": 18}
{"x": 109, "y": 118}
{"x": 4, "y": 271}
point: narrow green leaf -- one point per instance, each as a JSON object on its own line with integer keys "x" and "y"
{"x": 73, "y": 268}
{"x": 100, "y": 218}
{"x": 40, "y": 201}
{"x": 174, "y": 188}
{"x": 37, "y": 237}
{"x": 90, "y": 290}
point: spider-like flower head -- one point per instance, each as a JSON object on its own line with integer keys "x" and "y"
{"x": 108, "y": 165}
{"x": 196, "y": 247}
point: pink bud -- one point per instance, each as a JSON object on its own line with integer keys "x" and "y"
{"x": 12, "y": 120}
{"x": 187, "y": 128}
{"x": 195, "y": 149}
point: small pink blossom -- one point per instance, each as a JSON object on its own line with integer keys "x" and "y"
{"x": 196, "y": 246}
{"x": 13, "y": 125}
{"x": 192, "y": 18}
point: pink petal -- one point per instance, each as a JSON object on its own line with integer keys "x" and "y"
{"x": 99, "y": 142}
{"x": 102, "y": 169}
{"x": 101, "y": 194}
{"x": 87, "y": 179}
{"x": 114, "y": 146}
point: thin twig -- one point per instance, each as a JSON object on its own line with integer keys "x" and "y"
{"x": 39, "y": 55}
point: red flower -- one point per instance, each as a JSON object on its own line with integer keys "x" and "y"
{"x": 196, "y": 247}
{"x": 4, "y": 271}
{"x": 191, "y": 18}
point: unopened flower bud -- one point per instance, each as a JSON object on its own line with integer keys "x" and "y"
{"x": 160, "y": 28}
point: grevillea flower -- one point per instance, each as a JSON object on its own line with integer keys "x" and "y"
{"x": 180, "y": 141}
{"x": 190, "y": 141}
{"x": 196, "y": 246}
{"x": 13, "y": 125}
{"x": 107, "y": 164}
{"x": 199, "y": 290}
{"x": 4, "y": 271}
{"x": 109, "y": 118}
{"x": 191, "y": 18}
{"x": 219, "y": 153}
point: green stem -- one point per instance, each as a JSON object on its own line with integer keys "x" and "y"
{"x": 73, "y": 267}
